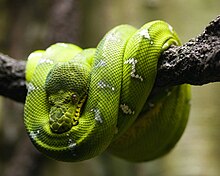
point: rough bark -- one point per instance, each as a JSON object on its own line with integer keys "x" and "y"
{"x": 197, "y": 62}
{"x": 12, "y": 78}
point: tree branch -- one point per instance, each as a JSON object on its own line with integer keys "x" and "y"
{"x": 197, "y": 62}
{"x": 12, "y": 78}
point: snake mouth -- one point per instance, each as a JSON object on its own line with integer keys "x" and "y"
{"x": 79, "y": 109}
{"x": 63, "y": 117}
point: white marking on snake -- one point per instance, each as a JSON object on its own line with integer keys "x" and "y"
{"x": 43, "y": 60}
{"x": 72, "y": 146}
{"x": 145, "y": 34}
{"x": 170, "y": 28}
{"x": 97, "y": 115}
{"x": 113, "y": 37}
{"x": 33, "y": 134}
{"x": 133, "y": 63}
{"x": 102, "y": 85}
{"x": 30, "y": 87}
{"x": 101, "y": 63}
{"x": 125, "y": 108}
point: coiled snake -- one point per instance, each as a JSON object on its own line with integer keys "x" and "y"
{"x": 83, "y": 102}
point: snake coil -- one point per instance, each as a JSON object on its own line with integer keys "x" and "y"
{"x": 83, "y": 102}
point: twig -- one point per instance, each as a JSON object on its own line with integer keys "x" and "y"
{"x": 197, "y": 62}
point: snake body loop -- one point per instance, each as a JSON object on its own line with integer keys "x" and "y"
{"x": 83, "y": 102}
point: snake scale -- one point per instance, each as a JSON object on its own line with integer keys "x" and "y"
{"x": 81, "y": 103}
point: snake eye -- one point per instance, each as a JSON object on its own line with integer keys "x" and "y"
{"x": 74, "y": 98}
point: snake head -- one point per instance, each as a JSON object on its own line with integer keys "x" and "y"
{"x": 66, "y": 87}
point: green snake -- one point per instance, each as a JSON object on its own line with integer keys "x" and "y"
{"x": 81, "y": 103}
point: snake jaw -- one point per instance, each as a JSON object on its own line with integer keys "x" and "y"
{"x": 80, "y": 107}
